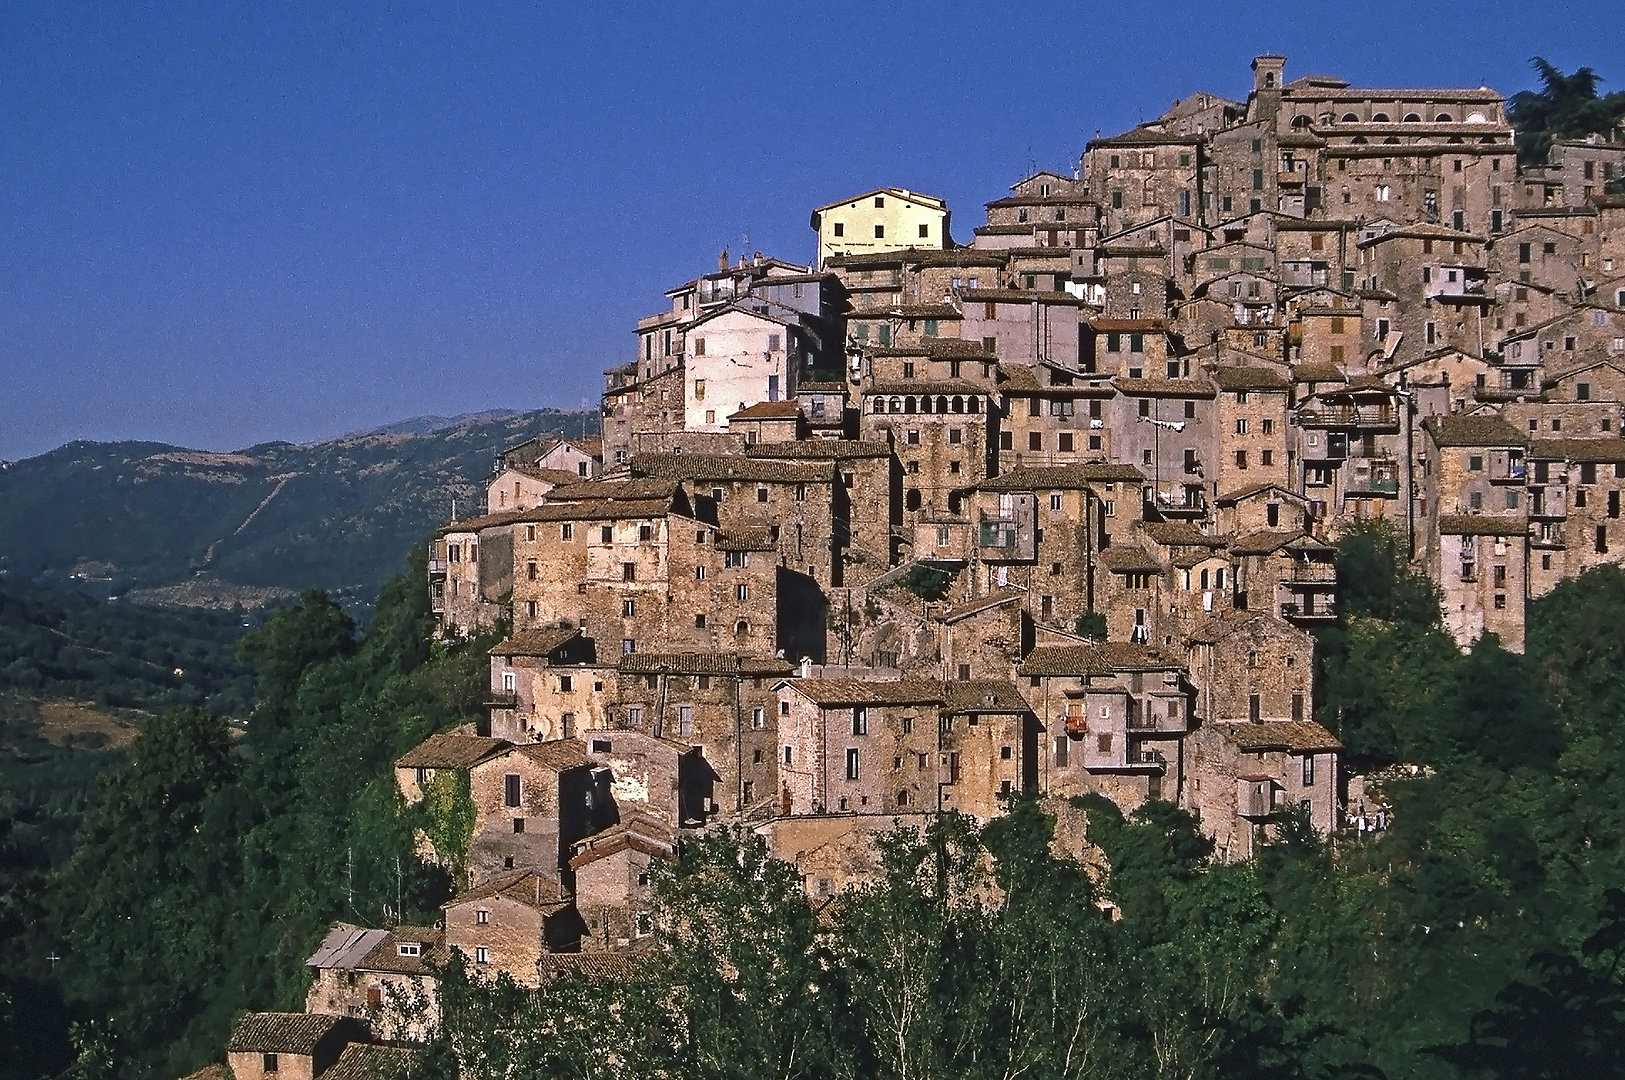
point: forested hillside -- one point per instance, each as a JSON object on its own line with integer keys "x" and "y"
{"x": 339, "y": 515}
{"x": 205, "y": 869}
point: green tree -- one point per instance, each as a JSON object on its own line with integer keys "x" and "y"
{"x": 1565, "y": 107}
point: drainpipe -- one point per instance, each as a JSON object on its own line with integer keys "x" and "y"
{"x": 739, "y": 747}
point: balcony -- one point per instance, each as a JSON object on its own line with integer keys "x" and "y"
{"x": 1186, "y": 504}
{"x": 502, "y": 699}
{"x": 1377, "y": 417}
{"x": 1314, "y": 573}
{"x": 1309, "y": 609}
{"x": 1371, "y": 476}
{"x": 437, "y": 567}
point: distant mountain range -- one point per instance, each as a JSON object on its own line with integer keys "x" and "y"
{"x": 174, "y": 525}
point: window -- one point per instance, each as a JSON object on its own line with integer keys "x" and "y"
{"x": 699, "y": 573}
{"x": 840, "y": 228}
{"x": 758, "y": 718}
{"x": 629, "y": 571}
{"x": 268, "y": 1063}
{"x": 530, "y": 571}
{"x": 566, "y": 531}
{"x": 518, "y": 825}
{"x": 851, "y": 763}
{"x": 1241, "y": 459}
{"x": 1308, "y": 770}
{"x": 880, "y": 232}
{"x": 629, "y": 609}
{"x": 482, "y": 917}
{"x": 510, "y": 789}
{"x": 482, "y": 955}
{"x": 1241, "y": 427}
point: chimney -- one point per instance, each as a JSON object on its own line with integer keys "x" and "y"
{"x": 757, "y": 259}
{"x": 805, "y": 670}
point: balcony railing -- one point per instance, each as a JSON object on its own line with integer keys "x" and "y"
{"x": 437, "y": 566}
{"x": 1349, "y": 416}
{"x": 502, "y": 699}
{"x": 1297, "y": 611}
{"x": 1314, "y": 573}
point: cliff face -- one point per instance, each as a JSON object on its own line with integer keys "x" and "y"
{"x": 340, "y": 515}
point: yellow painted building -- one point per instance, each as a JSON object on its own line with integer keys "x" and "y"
{"x": 886, "y": 219}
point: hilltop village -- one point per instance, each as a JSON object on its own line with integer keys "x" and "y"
{"x": 925, "y": 524}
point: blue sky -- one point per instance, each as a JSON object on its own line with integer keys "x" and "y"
{"x": 222, "y": 224}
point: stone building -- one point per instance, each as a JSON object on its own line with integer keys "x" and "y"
{"x": 886, "y": 219}
{"x": 385, "y": 977}
{"x": 1244, "y": 776}
{"x": 507, "y": 925}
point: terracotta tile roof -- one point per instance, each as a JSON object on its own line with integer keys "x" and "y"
{"x": 368, "y": 1061}
{"x": 1265, "y": 541}
{"x": 535, "y": 642}
{"x": 1249, "y": 378}
{"x": 1061, "y": 477}
{"x": 984, "y": 695}
{"x": 1297, "y": 736}
{"x": 1021, "y": 296}
{"x": 1181, "y": 388}
{"x": 1142, "y": 136}
{"x": 1482, "y": 525}
{"x": 450, "y": 751}
{"x": 619, "y": 966}
{"x": 811, "y": 386}
{"x": 1129, "y": 559}
{"x": 484, "y": 521}
{"x": 958, "y": 257}
{"x": 1093, "y": 658}
{"x": 1579, "y": 450}
{"x": 746, "y": 539}
{"x": 768, "y": 410}
{"x": 1231, "y": 498}
{"x": 944, "y": 348}
{"x": 555, "y": 754}
{"x": 728, "y": 467}
{"x": 820, "y": 450}
{"x": 827, "y": 692}
{"x": 712, "y": 663}
{"x": 522, "y": 887}
{"x": 626, "y": 490}
{"x": 286, "y": 1033}
{"x": 386, "y": 954}
{"x": 639, "y": 832}
{"x": 1018, "y": 377}
{"x": 996, "y": 598}
{"x": 1473, "y": 431}
{"x": 1321, "y": 372}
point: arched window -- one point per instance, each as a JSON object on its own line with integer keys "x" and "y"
{"x": 1269, "y": 78}
{"x": 1350, "y": 118}
{"x": 879, "y": 405}
{"x": 908, "y": 405}
{"x": 954, "y": 499}
{"x": 911, "y": 501}
{"x": 1487, "y": 139}
{"x": 1413, "y": 118}
{"x": 975, "y": 404}
{"x": 1443, "y": 118}
{"x": 1301, "y": 121}
{"x": 959, "y": 404}
{"x": 925, "y": 404}
{"x": 896, "y": 405}
{"x": 942, "y": 404}
{"x": 1359, "y": 140}
{"x": 1379, "y": 118}
{"x": 1326, "y": 119}
{"x": 902, "y": 798}
{"x": 1391, "y": 141}
{"x": 1454, "y": 139}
